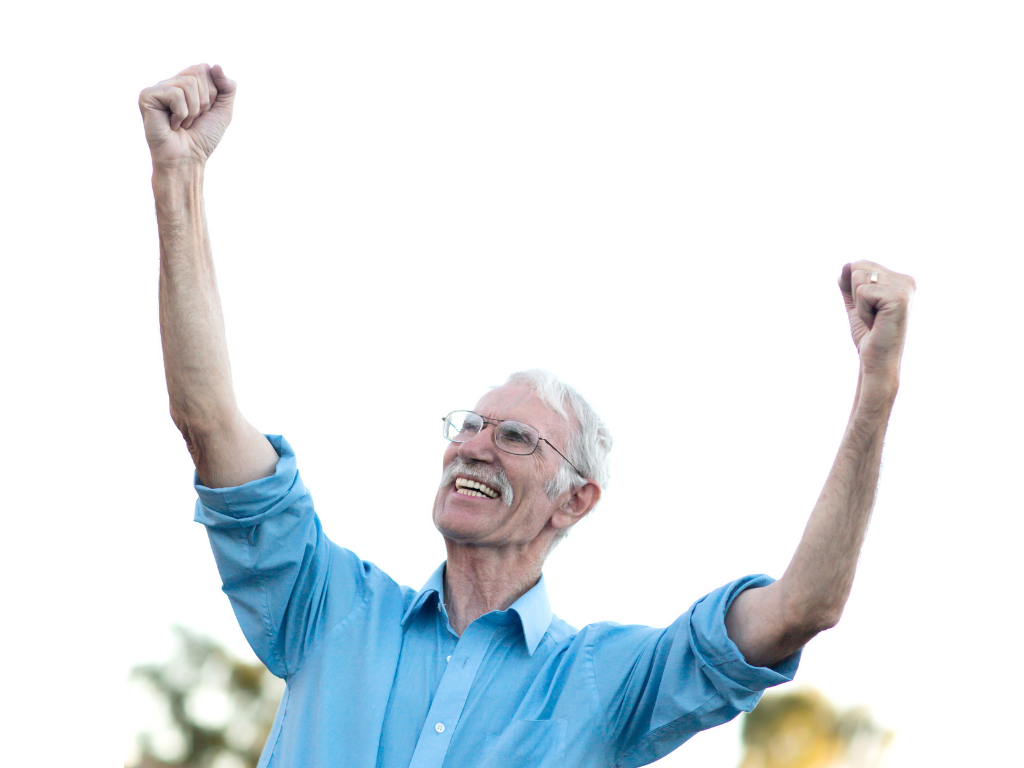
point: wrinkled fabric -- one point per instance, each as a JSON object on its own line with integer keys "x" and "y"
{"x": 376, "y": 677}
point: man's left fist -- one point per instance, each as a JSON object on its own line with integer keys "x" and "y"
{"x": 878, "y": 304}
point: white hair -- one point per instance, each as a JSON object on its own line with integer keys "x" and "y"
{"x": 589, "y": 439}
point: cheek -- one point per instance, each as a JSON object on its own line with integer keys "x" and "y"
{"x": 449, "y": 454}
{"x": 438, "y": 504}
{"x": 531, "y": 490}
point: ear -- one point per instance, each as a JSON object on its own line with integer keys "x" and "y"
{"x": 576, "y": 505}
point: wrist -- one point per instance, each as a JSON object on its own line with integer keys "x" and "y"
{"x": 175, "y": 179}
{"x": 177, "y": 191}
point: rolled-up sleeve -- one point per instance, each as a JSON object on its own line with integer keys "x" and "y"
{"x": 286, "y": 581}
{"x": 659, "y": 687}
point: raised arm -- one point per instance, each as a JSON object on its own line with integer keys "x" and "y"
{"x": 185, "y": 118}
{"x": 770, "y": 623}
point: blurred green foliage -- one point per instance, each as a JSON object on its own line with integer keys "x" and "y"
{"x": 219, "y": 709}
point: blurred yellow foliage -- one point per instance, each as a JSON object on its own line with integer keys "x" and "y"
{"x": 803, "y": 730}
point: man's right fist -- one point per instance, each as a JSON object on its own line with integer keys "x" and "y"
{"x": 186, "y": 116}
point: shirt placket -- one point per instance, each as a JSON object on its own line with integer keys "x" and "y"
{"x": 450, "y": 697}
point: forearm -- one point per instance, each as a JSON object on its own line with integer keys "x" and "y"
{"x": 771, "y": 623}
{"x": 224, "y": 447}
{"x": 819, "y": 578}
{"x": 191, "y": 321}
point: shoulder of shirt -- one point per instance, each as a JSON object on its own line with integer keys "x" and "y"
{"x": 374, "y": 577}
{"x": 564, "y": 635}
{"x": 560, "y": 631}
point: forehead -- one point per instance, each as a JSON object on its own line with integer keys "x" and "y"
{"x": 519, "y": 402}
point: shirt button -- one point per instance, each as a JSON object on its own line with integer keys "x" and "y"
{"x": 448, "y": 659}
{"x": 439, "y": 727}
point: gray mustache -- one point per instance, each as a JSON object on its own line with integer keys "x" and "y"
{"x": 495, "y": 478}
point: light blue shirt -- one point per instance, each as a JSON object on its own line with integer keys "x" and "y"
{"x": 376, "y": 677}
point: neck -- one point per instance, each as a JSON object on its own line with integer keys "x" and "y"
{"x": 478, "y": 580}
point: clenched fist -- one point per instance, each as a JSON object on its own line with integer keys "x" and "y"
{"x": 186, "y": 116}
{"x": 878, "y": 304}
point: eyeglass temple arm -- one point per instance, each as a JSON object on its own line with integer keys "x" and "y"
{"x": 563, "y": 456}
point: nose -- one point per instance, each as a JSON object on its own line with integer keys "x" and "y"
{"x": 480, "y": 447}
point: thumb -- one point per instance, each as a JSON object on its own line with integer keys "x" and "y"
{"x": 225, "y": 88}
{"x": 846, "y": 286}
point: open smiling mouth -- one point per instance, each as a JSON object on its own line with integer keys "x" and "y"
{"x": 466, "y": 487}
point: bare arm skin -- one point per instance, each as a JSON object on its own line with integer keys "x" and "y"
{"x": 184, "y": 119}
{"x": 771, "y": 623}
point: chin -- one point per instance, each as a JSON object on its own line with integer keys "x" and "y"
{"x": 453, "y": 525}
{"x": 462, "y": 526}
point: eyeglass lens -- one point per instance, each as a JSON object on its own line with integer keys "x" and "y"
{"x": 510, "y": 436}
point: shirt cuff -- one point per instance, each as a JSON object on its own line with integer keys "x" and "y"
{"x": 246, "y": 505}
{"x": 720, "y": 657}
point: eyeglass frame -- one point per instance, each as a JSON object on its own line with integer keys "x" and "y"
{"x": 494, "y": 436}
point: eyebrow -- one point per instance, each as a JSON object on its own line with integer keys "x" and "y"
{"x": 519, "y": 423}
{"x": 495, "y": 418}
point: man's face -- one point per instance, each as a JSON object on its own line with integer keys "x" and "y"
{"x": 465, "y": 516}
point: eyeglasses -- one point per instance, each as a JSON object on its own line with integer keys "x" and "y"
{"x": 510, "y": 436}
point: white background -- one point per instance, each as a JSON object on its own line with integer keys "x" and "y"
{"x": 653, "y": 200}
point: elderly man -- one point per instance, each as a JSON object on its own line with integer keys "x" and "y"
{"x": 474, "y": 669}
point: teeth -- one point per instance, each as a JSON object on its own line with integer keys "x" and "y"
{"x": 473, "y": 488}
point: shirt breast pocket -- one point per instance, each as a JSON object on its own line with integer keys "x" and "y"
{"x": 529, "y": 744}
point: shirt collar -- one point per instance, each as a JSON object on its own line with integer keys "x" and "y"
{"x": 533, "y": 608}
{"x": 434, "y": 585}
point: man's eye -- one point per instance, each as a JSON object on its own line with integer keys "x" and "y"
{"x": 516, "y": 435}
